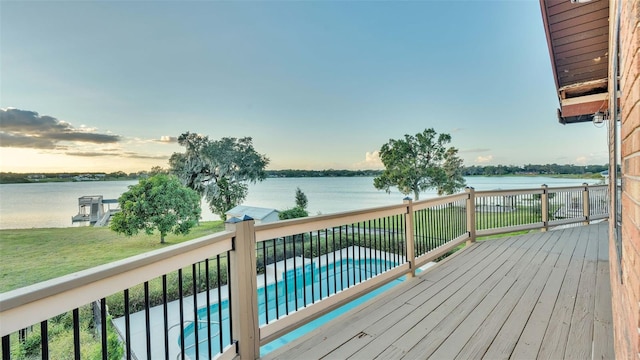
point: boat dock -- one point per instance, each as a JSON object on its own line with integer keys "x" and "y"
{"x": 91, "y": 208}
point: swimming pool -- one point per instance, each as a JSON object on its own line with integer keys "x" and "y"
{"x": 298, "y": 287}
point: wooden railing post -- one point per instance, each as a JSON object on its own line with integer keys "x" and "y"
{"x": 585, "y": 204}
{"x": 410, "y": 235}
{"x": 244, "y": 289}
{"x": 544, "y": 207}
{"x": 471, "y": 214}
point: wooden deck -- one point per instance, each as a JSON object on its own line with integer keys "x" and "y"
{"x": 541, "y": 295}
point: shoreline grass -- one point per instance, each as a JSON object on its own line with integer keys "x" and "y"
{"x": 29, "y": 256}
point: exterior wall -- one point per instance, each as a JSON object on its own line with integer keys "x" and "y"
{"x": 626, "y": 290}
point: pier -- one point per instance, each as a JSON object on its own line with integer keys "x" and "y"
{"x": 91, "y": 209}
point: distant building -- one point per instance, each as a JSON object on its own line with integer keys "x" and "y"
{"x": 259, "y": 214}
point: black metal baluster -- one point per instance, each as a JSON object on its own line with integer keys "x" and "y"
{"x": 295, "y": 273}
{"x": 326, "y": 262}
{"x": 165, "y": 314}
{"x": 275, "y": 273}
{"x": 207, "y": 280}
{"x": 219, "y": 285}
{"x": 127, "y": 324}
{"x": 147, "y": 318}
{"x": 387, "y": 243}
{"x": 341, "y": 261}
{"x": 286, "y": 277}
{"x": 196, "y": 326}
{"x": 76, "y": 333}
{"x": 264, "y": 277}
{"x": 319, "y": 267}
{"x": 353, "y": 257}
{"x": 103, "y": 328}
{"x": 335, "y": 271}
{"x": 313, "y": 284}
{"x": 6, "y": 348}
{"x": 230, "y": 302}
{"x": 44, "y": 339}
{"x": 181, "y": 309}
{"x": 304, "y": 276}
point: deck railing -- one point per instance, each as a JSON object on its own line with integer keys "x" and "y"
{"x": 229, "y": 293}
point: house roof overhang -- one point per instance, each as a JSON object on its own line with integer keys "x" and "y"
{"x": 578, "y": 39}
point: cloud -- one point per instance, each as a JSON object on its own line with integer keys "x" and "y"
{"x": 28, "y": 129}
{"x": 88, "y": 153}
{"x": 116, "y": 153}
{"x": 484, "y": 159}
{"x": 371, "y": 161}
{"x": 134, "y": 155}
{"x": 167, "y": 139}
{"x": 476, "y": 150}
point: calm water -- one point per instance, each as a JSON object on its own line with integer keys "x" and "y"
{"x": 40, "y": 205}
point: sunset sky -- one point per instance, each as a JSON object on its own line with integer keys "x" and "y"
{"x": 109, "y": 85}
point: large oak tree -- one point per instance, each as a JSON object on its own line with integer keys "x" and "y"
{"x": 219, "y": 170}
{"x": 421, "y": 162}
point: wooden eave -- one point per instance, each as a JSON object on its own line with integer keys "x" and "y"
{"x": 578, "y": 42}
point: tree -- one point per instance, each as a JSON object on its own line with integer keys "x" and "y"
{"x": 299, "y": 210}
{"x": 160, "y": 202}
{"x": 301, "y": 199}
{"x": 453, "y": 173}
{"x": 218, "y": 170}
{"x": 420, "y": 162}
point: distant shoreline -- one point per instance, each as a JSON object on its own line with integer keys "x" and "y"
{"x": 277, "y": 174}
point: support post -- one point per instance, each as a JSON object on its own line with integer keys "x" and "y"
{"x": 544, "y": 207}
{"x": 471, "y": 214}
{"x": 244, "y": 314}
{"x": 585, "y": 204}
{"x": 409, "y": 235}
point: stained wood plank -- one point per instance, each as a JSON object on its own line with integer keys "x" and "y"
{"x": 429, "y": 337}
{"x": 603, "y": 318}
{"x": 506, "y": 321}
{"x": 579, "y": 341}
{"x": 528, "y": 344}
{"x": 317, "y": 346}
{"x": 426, "y": 309}
{"x": 507, "y": 297}
{"x": 555, "y": 339}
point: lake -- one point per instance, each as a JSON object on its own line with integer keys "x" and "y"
{"x": 41, "y": 205}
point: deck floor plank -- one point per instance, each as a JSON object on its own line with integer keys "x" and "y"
{"x": 452, "y": 333}
{"x": 360, "y": 318}
{"x": 541, "y": 295}
{"x": 501, "y": 345}
{"x": 579, "y": 341}
{"x": 531, "y": 337}
{"x": 555, "y": 339}
{"x": 484, "y": 333}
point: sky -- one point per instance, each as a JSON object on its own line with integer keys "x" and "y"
{"x": 108, "y": 86}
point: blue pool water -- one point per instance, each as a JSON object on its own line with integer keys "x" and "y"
{"x": 301, "y": 286}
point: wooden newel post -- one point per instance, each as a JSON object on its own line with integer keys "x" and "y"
{"x": 585, "y": 204}
{"x": 410, "y": 240}
{"x": 544, "y": 207}
{"x": 471, "y": 214}
{"x": 244, "y": 312}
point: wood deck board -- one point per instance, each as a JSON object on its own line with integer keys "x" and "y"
{"x": 501, "y": 345}
{"x": 538, "y": 295}
{"x": 479, "y": 337}
{"x": 498, "y": 282}
{"x": 450, "y": 303}
{"x": 319, "y": 346}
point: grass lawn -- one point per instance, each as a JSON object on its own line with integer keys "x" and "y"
{"x": 29, "y": 256}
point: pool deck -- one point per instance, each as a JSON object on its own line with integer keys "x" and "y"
{"x": 540, "y": 295}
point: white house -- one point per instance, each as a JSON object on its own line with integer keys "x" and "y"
{"x": 259, "y": 214}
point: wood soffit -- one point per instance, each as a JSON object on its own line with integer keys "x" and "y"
{"x": 578, "y": 41}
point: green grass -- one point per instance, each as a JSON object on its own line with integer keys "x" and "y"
{"x": 30, "y": 256}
